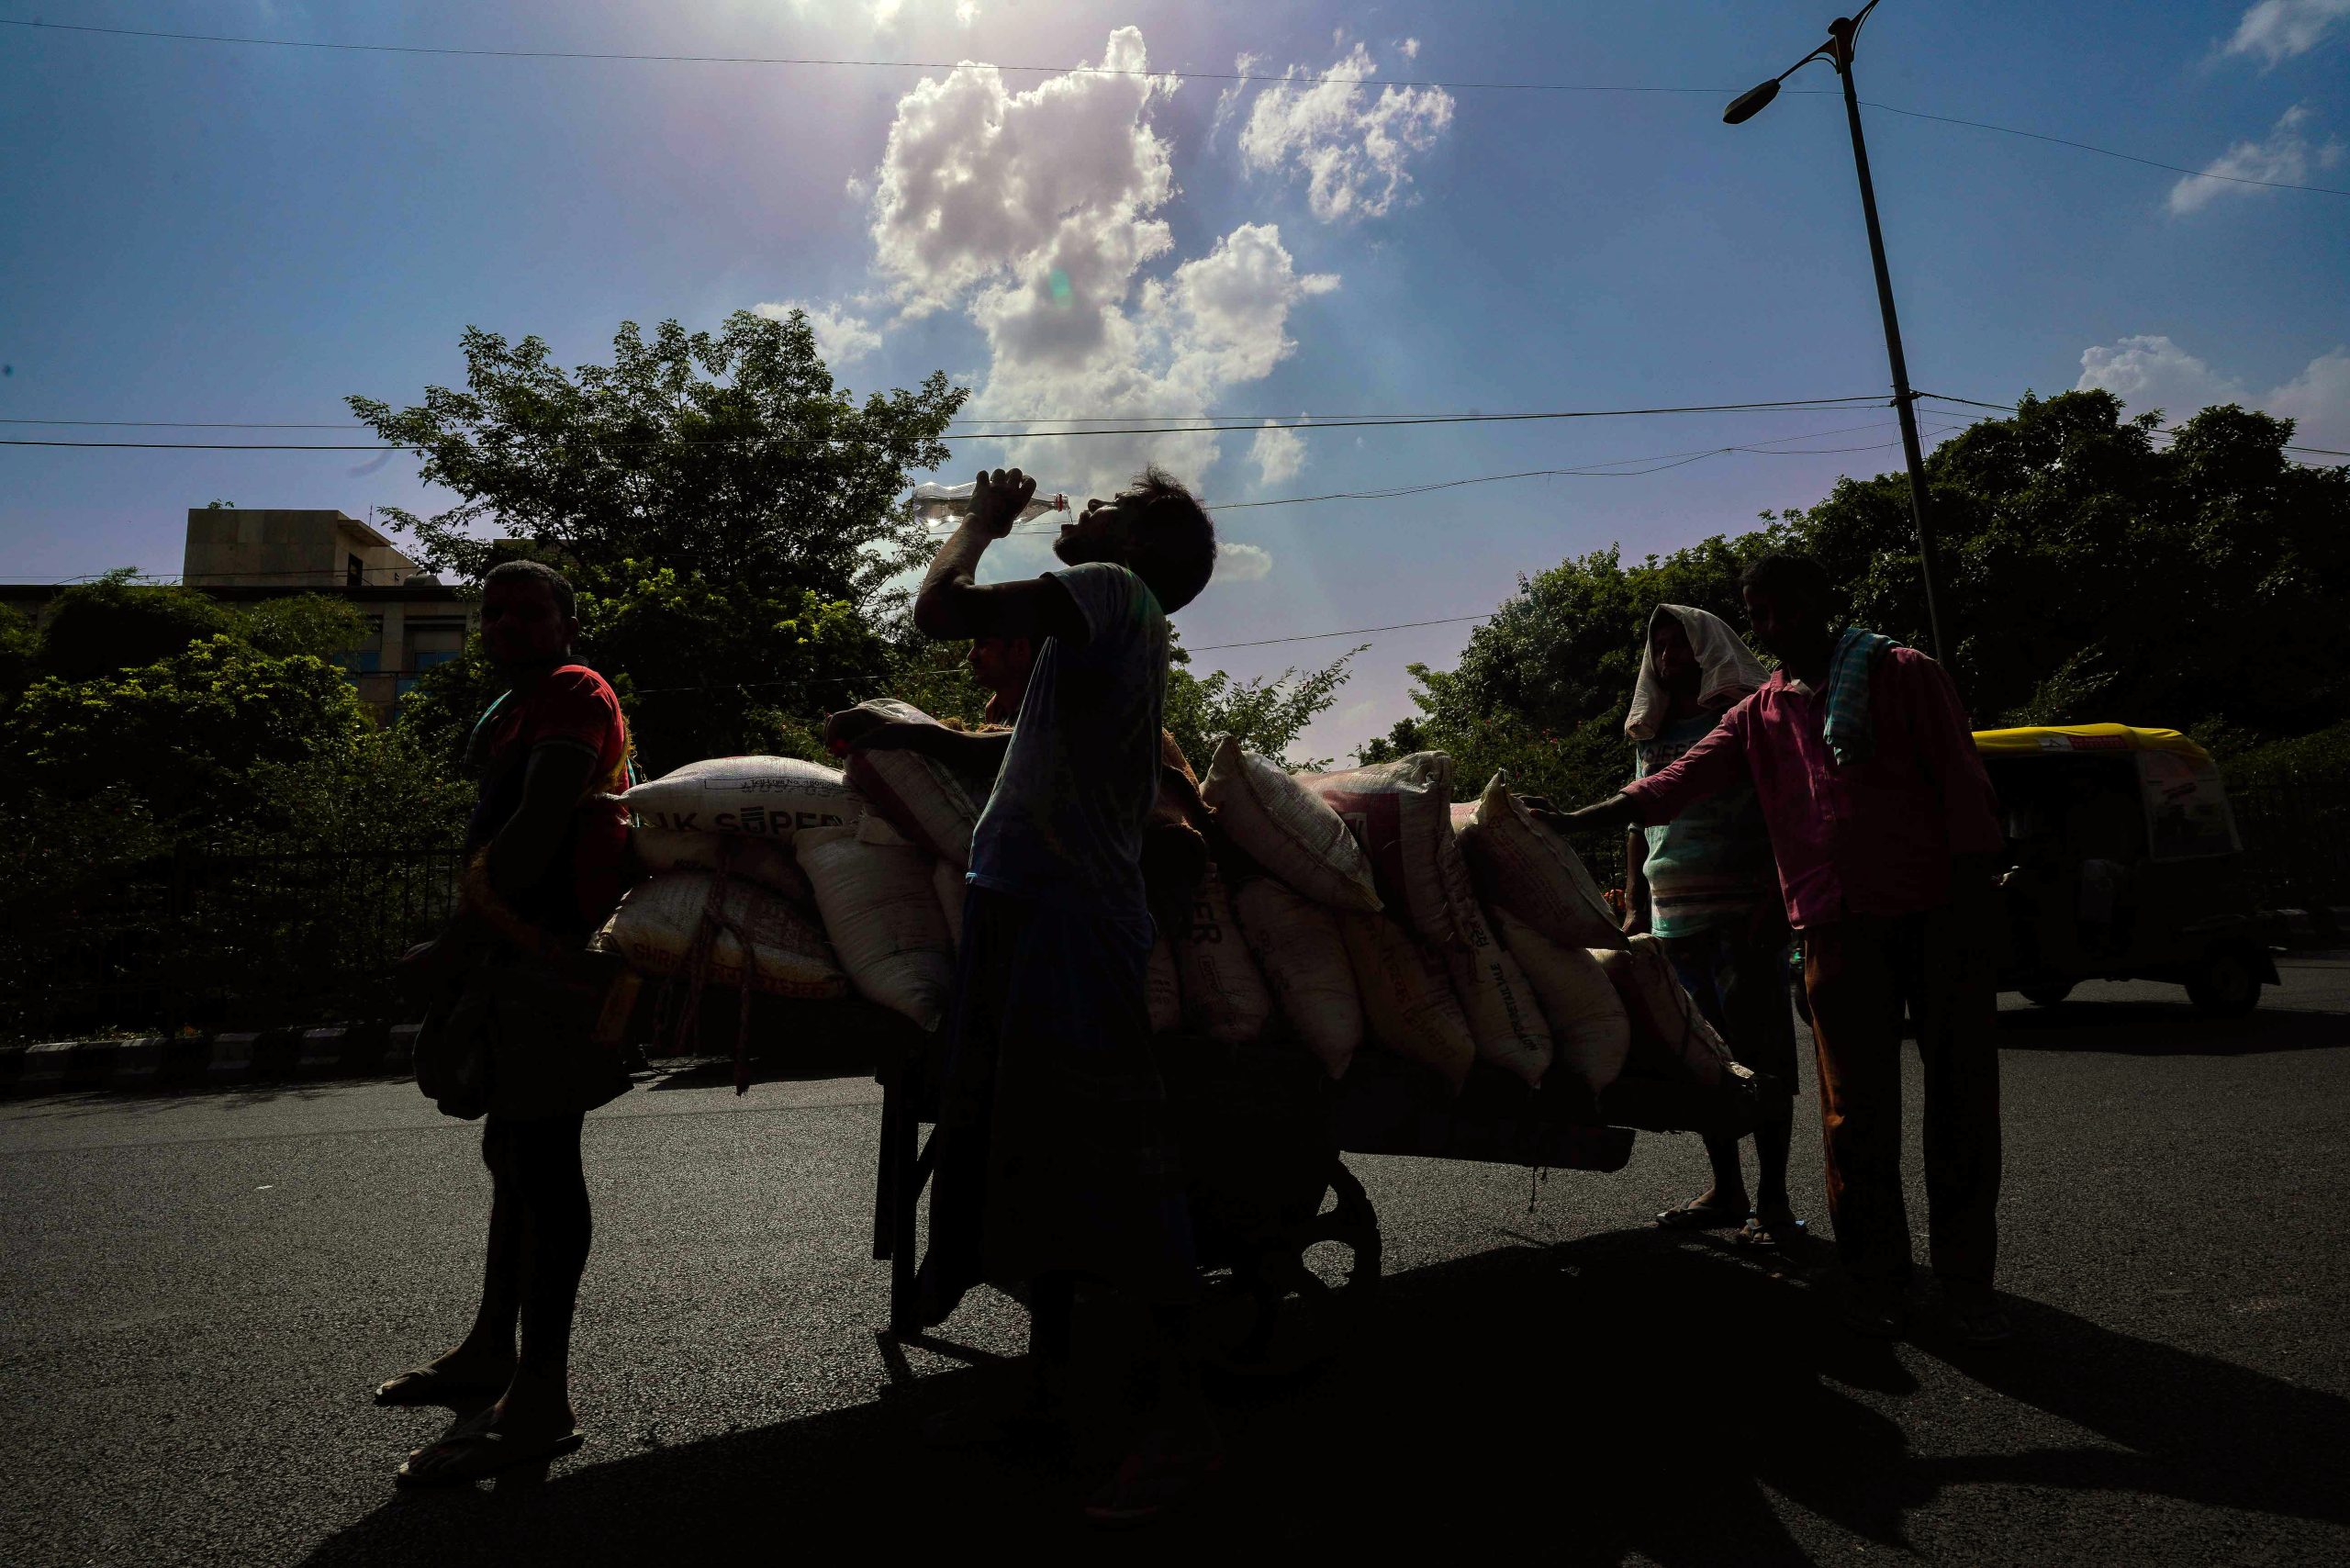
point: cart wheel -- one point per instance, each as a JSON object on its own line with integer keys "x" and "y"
{"x": 1290, "y": 1282}
{"x": 2048, "y": 995}
{"x": 2226, "y": 987}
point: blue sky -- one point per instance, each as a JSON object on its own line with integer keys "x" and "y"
{"x": 198, "y": 231}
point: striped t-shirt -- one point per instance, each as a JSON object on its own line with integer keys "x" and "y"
{"x": 1711, "y": 865}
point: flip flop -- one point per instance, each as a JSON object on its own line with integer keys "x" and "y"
{"x": 1695, "y": 1215}
{"x": 1766, "y": 1237}
{"x": 465, "y": 1457}
{"x": 429, "y": 1385}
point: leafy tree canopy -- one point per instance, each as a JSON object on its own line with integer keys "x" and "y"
{"x": 732, "y": 518}
{"x": 1266, "y": 714}
{"x": 2092, "y": 571}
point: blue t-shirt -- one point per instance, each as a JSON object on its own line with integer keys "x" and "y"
{"x": 1065, "y": 820}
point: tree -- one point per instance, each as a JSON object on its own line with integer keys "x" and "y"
{"x": 117, "y": 622}
{"x": 1266, "y": 715}
{"x": 183, "y": 735}
{"x": 2092, "y": 573}
{"x": 732, "y": 518}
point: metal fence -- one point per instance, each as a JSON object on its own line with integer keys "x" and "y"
{"x": 221, "y": 938}
{"x": 2296, "y": 833}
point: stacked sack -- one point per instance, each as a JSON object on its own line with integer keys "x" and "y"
{"x": 792, "y": 878}
{"x": 1378, "y": 911}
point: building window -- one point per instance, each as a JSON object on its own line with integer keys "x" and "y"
{"x": 353, "y": 574}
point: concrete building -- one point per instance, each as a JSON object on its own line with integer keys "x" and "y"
{"x": 245, "y": 554}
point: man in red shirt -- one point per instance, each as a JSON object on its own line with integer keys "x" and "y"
{"x": 547, "y": 847}
{"x": 1883, "y": 826}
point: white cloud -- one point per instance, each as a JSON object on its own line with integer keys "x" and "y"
{"x": 1036, "y": 213}
{"x": 967, "y": 11}
{"x": 885, "y": 13}
{"x": 841, "y": 338}
{"x": 2286, "y": 155}
{"x": 2279, "y": 29}
{"x": 856, "y": 189}
{"x": 1409, "y": 48}
{"x": 1351, "y": 148}
{"x": 1278, "y": 451}
{"x": 1227, "y": 102}
{"x": 1242, "y": 563}
{"x": 2151, "y": 372}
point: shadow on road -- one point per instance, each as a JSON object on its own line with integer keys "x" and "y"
{"x": 2162, "y": 1029}
{"x": 1582, "y": 1399}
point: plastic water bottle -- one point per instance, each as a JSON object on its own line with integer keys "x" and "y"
{"x": 936, "y": 505}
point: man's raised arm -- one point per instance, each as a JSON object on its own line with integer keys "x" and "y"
{"x": 952, "y": 603}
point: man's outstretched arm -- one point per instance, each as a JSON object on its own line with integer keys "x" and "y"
{"x": 953, "y": 604}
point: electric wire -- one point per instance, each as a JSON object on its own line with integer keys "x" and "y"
{"x": 1290, "y": 79}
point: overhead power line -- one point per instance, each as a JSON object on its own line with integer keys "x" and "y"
{"x": 2159, "y": 429}
{"x": 1290, "y": 79}
{"x": 1854, "y": 401}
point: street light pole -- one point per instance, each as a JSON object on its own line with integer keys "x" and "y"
{"x": 1838, "y": 51}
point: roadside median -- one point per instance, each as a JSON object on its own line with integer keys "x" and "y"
{"x": 156, "y": 1063}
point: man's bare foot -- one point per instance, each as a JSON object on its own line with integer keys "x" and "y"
{"x": 464, "y": 1373}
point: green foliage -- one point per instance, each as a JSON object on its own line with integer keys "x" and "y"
{"x": 1266, "y": 714}
{"x": 731, "y": 518}
{"x": 2091, "y": 573}
{"x": 308, "y": 623}
{"x": 1404, "y": 737}
{"x": 182, "y": 735}
{"x": 19, "y": 654}
{"x": 116, "y": 622}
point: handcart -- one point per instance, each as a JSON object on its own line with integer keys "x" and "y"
{"x": 1263, "y": 1133}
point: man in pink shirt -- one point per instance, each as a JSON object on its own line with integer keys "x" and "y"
{"x": 1883, "y": 826}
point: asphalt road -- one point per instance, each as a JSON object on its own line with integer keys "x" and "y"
{"x": 197, "y": 1293}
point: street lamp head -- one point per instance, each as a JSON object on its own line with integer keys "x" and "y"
{"x": 1749, "y": 104}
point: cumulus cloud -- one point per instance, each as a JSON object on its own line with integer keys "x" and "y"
{"x": 1227, "y": 103}
{"x": 1036, "y": 213}
{"x": 2151, "y": 372}
{"x": 2286, "y": 155}
{"x": 1278, "y": 453}
{"x": 2276, "y": 30}
{"x": 1351, "y": 149}
{"x": 1242, "y": 563}
{"x": 885, "y": 13}
{"x": 841, "y": 338}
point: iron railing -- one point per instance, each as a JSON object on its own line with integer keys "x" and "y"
{"x": 219, "y": 936}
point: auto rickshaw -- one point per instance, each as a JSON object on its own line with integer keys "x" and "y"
{"x": 2122, "y": 862}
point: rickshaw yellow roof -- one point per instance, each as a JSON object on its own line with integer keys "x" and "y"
{"x": 2059, "y": 739}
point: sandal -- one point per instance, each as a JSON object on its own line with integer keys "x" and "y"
{"x": 1697, "y": 1215}
{"x": 431, "y": 1385}
{"x": 467, "y": 1456}
{"x": 1763, "y": 1235}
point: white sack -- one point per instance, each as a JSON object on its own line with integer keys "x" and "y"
{"x": 1503, "y": 1017}
{"x": 760, "y": 797}
{"x": 1166, "y": 990}
{"x": 948, "y": 880}
{"x": 1407, "y": 997}
{"x": 1400, "y": 812}
{"x": 922, "y": 796}
{"x": 1223, "y": 994}
{"x": 766, "y": 861}
{"x": 1589, "y": 1027}
{"x": 881, "y": 910}
{"x": 1524, "y": 867}
{"x": 1304, "y": 957}
{"x": 656, "y": 927}
{"x": 1670, "y": 1037}
{"x": 1287, "y": 828}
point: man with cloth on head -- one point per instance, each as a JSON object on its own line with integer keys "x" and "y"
{"x": 1705, "y": 886}
{"x": 1055, "y": 1165}
{"x": 1885, "y": 828}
